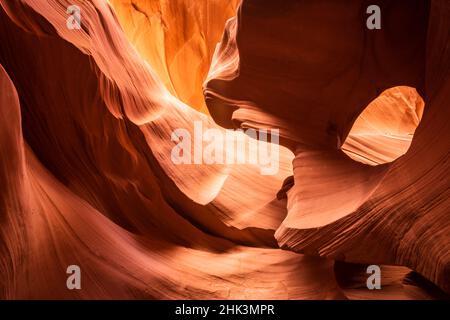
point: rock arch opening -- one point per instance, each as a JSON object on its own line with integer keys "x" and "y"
{"x": 383, "y": 132}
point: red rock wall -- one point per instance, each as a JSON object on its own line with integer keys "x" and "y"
{"x": 86, "y": 177}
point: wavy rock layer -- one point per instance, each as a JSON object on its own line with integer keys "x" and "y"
{"x": 392, "y": 213}
{"x": 86, "y": 176}
{"x": 170, "y": 33}
{"x": 116, "y": 213}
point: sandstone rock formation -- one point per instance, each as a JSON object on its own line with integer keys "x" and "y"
{"x": 86, "y": 178}
{"x": 392, "y": 213}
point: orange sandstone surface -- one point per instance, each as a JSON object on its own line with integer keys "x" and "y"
{"x": 87, "y": 179}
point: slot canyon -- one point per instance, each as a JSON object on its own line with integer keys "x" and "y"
{"x": 363, "y": 170}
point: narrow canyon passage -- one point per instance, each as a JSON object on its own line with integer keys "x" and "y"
{"x": 90, "y": 116}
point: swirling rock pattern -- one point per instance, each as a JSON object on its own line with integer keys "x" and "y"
{"x": 86, "y": 176}
{"x": 392, "y": 213}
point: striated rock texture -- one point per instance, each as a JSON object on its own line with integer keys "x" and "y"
{"x": 177, "y": 38}
{"x": 86, "y": 176}
{"x": 385, "y": 210}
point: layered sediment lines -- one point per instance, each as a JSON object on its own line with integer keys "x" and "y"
{"x": 389, "y": 201}
{"x": 170, "y": 33}
{"x": 86, "y": 176}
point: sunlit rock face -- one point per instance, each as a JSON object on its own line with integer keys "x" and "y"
{"x": 177, "y": 38}
{"x": 87, "y": 179}
{"x": 372, "y": 206}
{"x": 384, "y": 130}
